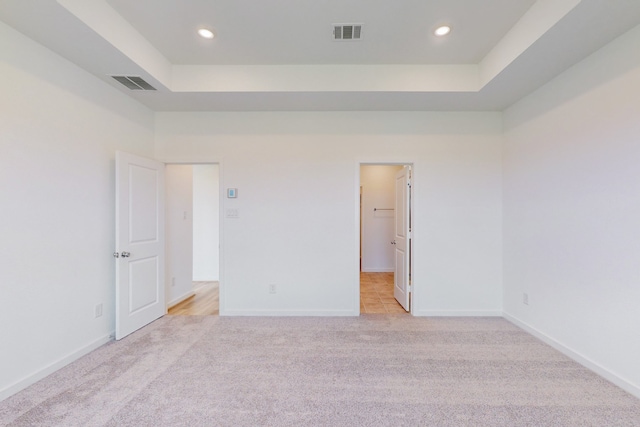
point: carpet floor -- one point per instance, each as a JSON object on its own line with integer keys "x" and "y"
{"x": 372, "y": 370}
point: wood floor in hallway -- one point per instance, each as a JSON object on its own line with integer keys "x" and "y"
{"x": 376, "y": 294}
{"x": 204, "y": 302}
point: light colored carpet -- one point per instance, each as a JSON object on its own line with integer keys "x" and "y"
{"x": 373, "y": 370}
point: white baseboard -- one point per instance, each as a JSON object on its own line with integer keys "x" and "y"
{"x": 325, "y": 313}
{"x": 181, "y": 298}
{"x": 581, "y": 359}
{"x": 290, "y": 313}
{"x": 48, "y": 370}
{"x": 457, "y": 313}
{"x": 378, "y": 270}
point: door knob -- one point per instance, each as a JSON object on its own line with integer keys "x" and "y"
{"x": 126, "y": 254}
{"x": 116, "y": 255}
{"x": 393, "y": 242}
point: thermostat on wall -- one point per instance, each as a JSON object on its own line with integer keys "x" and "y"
{"x": 232, "y": 193}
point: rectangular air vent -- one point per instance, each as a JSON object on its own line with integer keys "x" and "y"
{"x": 134, "y": 82}
{"x": 344, "y": 32}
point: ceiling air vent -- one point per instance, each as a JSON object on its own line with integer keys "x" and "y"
{"x": 134, "y": 82}
{"x": 347, "y": 31}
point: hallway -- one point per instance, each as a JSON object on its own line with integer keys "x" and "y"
{"x": 205, "y": 302}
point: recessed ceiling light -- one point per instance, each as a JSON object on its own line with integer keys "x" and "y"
{"x": 207, "y": 34}
{"x": 442, "y": 30}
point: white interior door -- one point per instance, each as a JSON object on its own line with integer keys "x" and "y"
{"x": 140, "y": 293}
{"x": 401, "y": 241}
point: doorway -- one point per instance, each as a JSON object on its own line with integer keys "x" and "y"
{"x": 384, "y": 236}
{"x": 193, "y": 236}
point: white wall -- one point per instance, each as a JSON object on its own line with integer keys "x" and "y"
{"x": 298, "y": 176}
{"x": 206, "y": 223}
{"x": 179, "y": 232}
{"x": 378, "y": 191}
{"x": 60, "y": 130}
{"x": 572, "y": 211}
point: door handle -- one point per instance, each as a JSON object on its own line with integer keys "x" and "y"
{"x": 126, "y": 254}
{"x": 393, "y": 242}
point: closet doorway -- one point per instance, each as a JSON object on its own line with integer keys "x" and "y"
{"x": 385, "y": 244}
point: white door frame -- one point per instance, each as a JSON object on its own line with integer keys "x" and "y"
{"x": 221, "y": 193}
{"x": 356, "y": 287}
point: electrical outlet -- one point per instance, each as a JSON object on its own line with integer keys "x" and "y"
{"x": 525, "y": 298}
{"x": 98, "y": 310}
{"x": 272, "y": 288}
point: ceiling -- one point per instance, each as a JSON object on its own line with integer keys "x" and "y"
{"x": 300, "y": 31}
{"x": 279, "y": 55}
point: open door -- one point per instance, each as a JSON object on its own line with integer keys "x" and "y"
{"x": 140, "y": 291}
{"x": 401, "y": 241}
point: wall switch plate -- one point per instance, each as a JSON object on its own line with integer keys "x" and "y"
{"x": 98, "y": 310}
{"x": 272, "y": 288}
{"x": 525, "y": 298}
